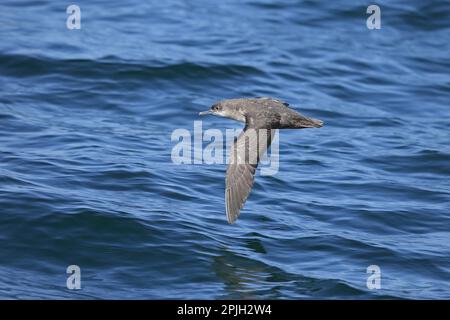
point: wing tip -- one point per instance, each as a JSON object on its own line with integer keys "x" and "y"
{"x": 231, "y": 217}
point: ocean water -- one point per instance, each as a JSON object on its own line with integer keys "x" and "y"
{"x": 87, "y": 179}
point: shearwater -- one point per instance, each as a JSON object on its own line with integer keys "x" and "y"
{"x": 262, "y": 116}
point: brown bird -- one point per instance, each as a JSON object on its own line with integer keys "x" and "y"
{"x": 262, "y": 116}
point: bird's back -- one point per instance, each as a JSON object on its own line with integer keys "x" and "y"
{"x": 267, "y": 112}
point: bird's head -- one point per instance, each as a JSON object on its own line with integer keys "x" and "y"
{"x": 227, "y": 109}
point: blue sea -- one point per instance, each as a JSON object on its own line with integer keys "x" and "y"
{"x": 86, "y": 170}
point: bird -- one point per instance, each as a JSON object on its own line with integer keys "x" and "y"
{"x": 262, "y": 117}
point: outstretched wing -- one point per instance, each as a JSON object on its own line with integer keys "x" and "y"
{"x": 244, "y": 157}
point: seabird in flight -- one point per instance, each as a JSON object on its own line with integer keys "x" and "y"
{"x": 262, "y": 116}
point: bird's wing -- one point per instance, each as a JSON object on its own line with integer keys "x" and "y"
{"x": 244, "y": 157}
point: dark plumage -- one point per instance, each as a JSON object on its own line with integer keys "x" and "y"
{"x": 261, "y": 117}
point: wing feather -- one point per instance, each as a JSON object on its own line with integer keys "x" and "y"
{"x": 244, "y": 157}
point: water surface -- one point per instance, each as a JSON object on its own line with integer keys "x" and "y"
{"x": 86, "y": 176}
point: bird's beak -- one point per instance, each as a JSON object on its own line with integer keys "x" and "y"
{"x": 310, "y": 123}
{"x": 203, "y": 113}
